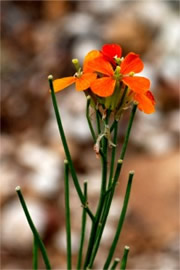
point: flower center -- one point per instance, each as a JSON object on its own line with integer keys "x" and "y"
{"x": 118, "y": 60}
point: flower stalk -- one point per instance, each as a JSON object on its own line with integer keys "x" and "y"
{"x": 89, "y": 119}
{"x": 83, "y": 231}
{"x": 115, "y": 263}
{"x": 121, "y": 221}
{"x": 34, "y": 231}
{"x": 67, "y": 212}
{"x": 66, "y": 149}
{"x": 124, "y": 258}
{"x": 35, "y": 254}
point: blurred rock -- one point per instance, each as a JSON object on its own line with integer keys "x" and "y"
{"x": 162, "y": 261}
{"x": 46, "y": 168}
{"x": 100, "y": 8}
{"x": 60, "y": 241}
{"x": 72, "y": 107}
{"x": 10, "y": 175}
{"x": 15, "y": 232}
{"x": 73, "y": 23}
{"x": 154, "y": 138}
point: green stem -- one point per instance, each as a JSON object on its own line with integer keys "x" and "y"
{"x": 104, "y": 215}
{"x": 110, "y": 196}
{"x": 33, "y": 228}
{"x": 67, "y": 212}
{"x": 123, "y": 97}
{"x": 121, "y": 221}
{"x": 89, "y": 120}
{"x": 35, "y": 254}
{"x": 113, "y": 152}
{"x": 102, "y": 197}
{"x": 124, "y": 259}
{"x": 123, "y": 151}
{"x": 66, "y": 149}
{"x": 104, "y": 158}
{"x": 113, "y": 126}
{"x": 98, "y": 117}
{"x": 83, "y": 228}
{"x": 115, "y": 263}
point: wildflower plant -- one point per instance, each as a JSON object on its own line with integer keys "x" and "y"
{"x": 111, "y": 86}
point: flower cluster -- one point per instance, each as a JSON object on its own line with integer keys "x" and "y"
{"x": 110, "y": 79}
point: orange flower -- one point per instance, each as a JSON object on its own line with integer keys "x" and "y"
{"x": 102, "y": 73}
{"x": 82, "y": 79}
{"x": 124, "y": 71}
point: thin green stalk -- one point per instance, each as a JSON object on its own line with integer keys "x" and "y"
{"x": 66, "y": 149}
{"x": 102, "y": 197}
{"x": 123, "y": 151}
{"x": 123, "y": 97}
{"x": 121, "y": 221}
{"x": 98, "y": 117}
{"x": 124, "y": 258}
{"x": 113, "y": 126}
{"x": 35, "y": 254}
{"x": 111, "y": 193}
{"x": 115, "y": 263}
{"x": 89, "y": 120}
{"x": 104, "y": 159}
{"x": 104, "y": 215}
{"x": 33, "y": 228}
{"x": 113, "y": 154}
{"x": 67, "y": 212}
{"x": 83, "y": 228}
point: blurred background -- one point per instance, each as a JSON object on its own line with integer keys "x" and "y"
{"x": 39, "y": 38}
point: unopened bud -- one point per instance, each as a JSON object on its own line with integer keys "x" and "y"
{"x": 76, "y": 64}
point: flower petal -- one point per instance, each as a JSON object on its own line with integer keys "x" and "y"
{"x": 109, "y": 51}
{"x": 103, "y": 87}
{"x": 62, "y": 83}
{"x": 101, "y": 65}
{"x": 137, "y": 84}
{"x": 151, "y": 97}
{"x": 89, "y": 57}
{"x": 84, "y": 81}
{"x": 146, "y": 102}
{"x": 131, "y": 62}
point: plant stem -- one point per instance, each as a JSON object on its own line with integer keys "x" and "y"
{"x": 124, "y": 259}
{"x": 115, "y": 263}
{"x": 104, "y": 215}
{"x": 113, "y": 152}
{"x": 104, "y": 158}
{"x": 35, "y": 254}
{"x": 113, "y": 125}
{"x": 123, "y": 97}
{"x": 98, "y": 117}
{"x": 123, "y": 151}
{"x": 83, "y": 228}
{"x": 66, "y": 149}
{"x": 89, "y": 120}
{"x": 102, "y": 197}
{"x": 33, "y": 228}
{"x": 121, "y": 221}
{"x": 67, "y": 212}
